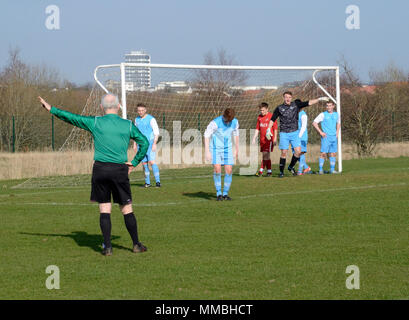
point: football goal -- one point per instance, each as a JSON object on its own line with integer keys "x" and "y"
{"x": 185, "y": 98}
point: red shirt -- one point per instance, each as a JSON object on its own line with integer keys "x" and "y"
{"x": 262, "y": 126}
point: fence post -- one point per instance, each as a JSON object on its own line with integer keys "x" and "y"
{"x": 163, "y": 121}
{"x": 393, "y": 125}
{"x": 13, "y": 136}
{"x": 52, "y": 132}
{"x": 198, "y": 122}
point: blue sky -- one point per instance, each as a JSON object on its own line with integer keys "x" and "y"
{"x": 274, "y": 32}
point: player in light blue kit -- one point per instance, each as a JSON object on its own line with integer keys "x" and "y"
{"x": 303, "y": 167}
{"x": 149, "y": 127}
{"x": 219, "y": 150}
{"x": 330, "y": 124}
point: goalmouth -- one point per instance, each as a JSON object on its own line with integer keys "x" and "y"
{"x": 195, "y": 94}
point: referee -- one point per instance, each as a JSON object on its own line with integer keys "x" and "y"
{"x": 110, "y": 171}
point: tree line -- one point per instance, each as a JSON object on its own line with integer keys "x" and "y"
{"x": 374, "y": 113}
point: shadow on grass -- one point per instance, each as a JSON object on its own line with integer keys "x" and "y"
{"x": 200, "y": 194}
{"x": 137, "y": 184}
{"x": 83, "y": 239}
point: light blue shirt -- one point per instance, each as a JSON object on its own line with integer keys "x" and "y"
{"x": 145, "y": 127}
{"x": 222, "y": 134}
{"x": 329, "y": 123}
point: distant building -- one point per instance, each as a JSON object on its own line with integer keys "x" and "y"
{"x": 113, "y": 85}
{"x": 252, "y": 88}
{"x": 137, "y": 78}
{"x": 174, "y": 87}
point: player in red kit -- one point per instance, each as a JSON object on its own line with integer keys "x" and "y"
{"x": 266, "y": 146}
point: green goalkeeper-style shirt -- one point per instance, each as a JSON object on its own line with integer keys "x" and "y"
{"x": 111, "y": 135}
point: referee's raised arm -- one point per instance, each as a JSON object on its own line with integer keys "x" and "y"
{"x": 83, "y": 122}
{"x": 110, "y": 172}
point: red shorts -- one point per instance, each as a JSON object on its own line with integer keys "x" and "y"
{"x": 266, "y": 146}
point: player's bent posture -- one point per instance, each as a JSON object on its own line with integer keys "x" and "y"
{"x": 303, "y": 167}
{"x": 149, "y": 127}
{"x": 111, "y": 167}
{"x": 288, "y": 114}
{"x": 220, "y": 131}
{"x": 266, "y": 145}
{"x": 330, "y": 124}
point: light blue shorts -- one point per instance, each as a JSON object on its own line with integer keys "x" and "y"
{"x": 287, "y": 138}
{"x": 303, "y": 146}
{"x": 223, "y": 157}
{"x": 329, "y": 144}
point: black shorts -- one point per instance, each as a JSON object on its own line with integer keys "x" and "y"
{"x": 110, "y": 178}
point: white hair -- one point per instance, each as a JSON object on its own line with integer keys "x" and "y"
{"x": 109, "y": 101}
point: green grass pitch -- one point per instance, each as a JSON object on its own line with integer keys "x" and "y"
{"x": 288, "y": 238}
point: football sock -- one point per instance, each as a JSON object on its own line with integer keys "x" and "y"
{"x": 282, "y": 164}
{"x": 155, "y": 170}
{"x": 227, "y": 183}
{"x": 131, "y": 226}
{"x": 332, "y": 164}
{"x": 217, "y": 177}
{"x": 105, "y": 224}
{"x": 294, "y": 160}
{"x": 262, "y": 165}
{"x": 321, "y": 163}
{"x": 268, "y": 165}
{"x": 306, "y": 166}
{"x": 301, "y": 164}
{"x": 147, "y": 174}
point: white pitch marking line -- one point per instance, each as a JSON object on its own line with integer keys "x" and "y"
{"x": 203, "y": 200}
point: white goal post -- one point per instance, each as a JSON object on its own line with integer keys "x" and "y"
{"x": 253, "y": 77}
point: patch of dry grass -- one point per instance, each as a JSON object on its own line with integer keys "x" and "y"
{"x": 39, "y": 164}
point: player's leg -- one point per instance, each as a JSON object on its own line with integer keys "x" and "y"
{"x": 106, "y": 226}
{"x": 101, "y": 193}
{"x": 217, "y": 161}
{"x": 296, "y": 144}
{"x": 261, "y": 170}
{"x": 332, "y": 161}
{"x": 228, "y": 177}
{"x": 217, "y": 178}
{"x": 267, "y": 159}
{"x": 147, "y": 174}
{"x": 283, "y": 145}
{"x": 263, "y": 164}
{"x": 333, "y": 149}
{"x": 324, "y": 150}
{"x": 156, "y": 174}
{"x": 132, "y": 227}
{"x": 307, "y": 168}
{"x": 145, "y": 163}
{"x": 321, "y": 162}
{"x": 121, "y": 194}
{"x": 301, "y": 164}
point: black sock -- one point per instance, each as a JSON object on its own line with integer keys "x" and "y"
{"x": 282, "y": 165}
{"x": 105, "y": 224}
{"x": 293, "y": 161}
{"x": 130, "y": 223}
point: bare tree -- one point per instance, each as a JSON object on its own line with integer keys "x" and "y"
{"x": 20, "y": 84}
{"x": 364, "y": 118}
{"x": 391, "y": 73}
{"x": 215, "y": 86}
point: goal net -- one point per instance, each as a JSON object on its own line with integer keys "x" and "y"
{"x": 185, "y": 98}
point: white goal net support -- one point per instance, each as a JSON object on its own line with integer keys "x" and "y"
{"x": 185, "y": 98}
